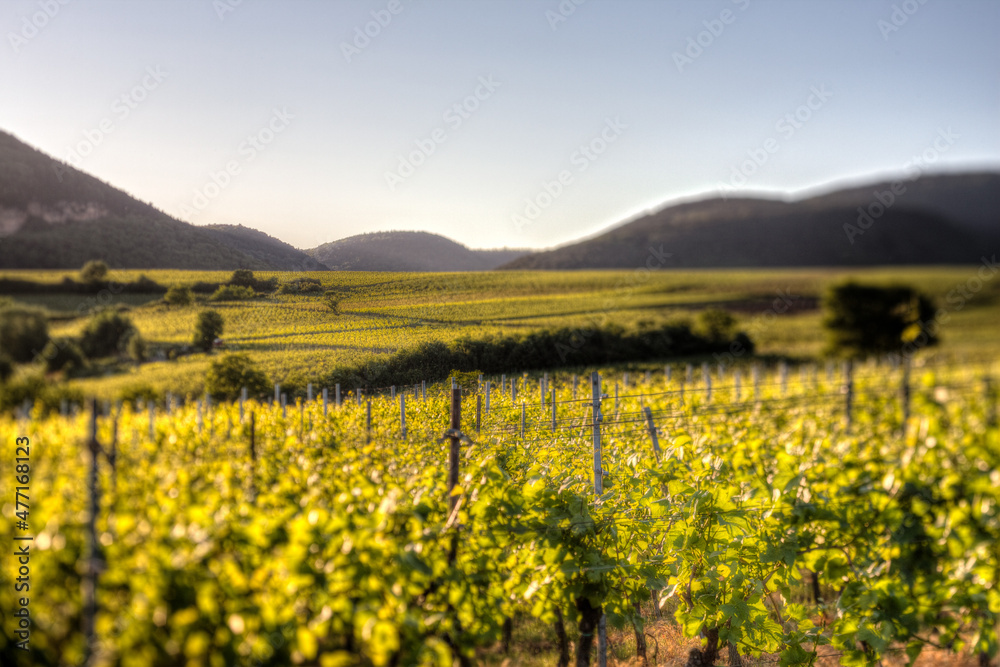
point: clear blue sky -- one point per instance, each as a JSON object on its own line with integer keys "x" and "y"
{"x": 884, "y": 79}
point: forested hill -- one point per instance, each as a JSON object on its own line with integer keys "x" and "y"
{"x": 408, "y": 251}
{"x": 936, "y": 219}
{"x": 55, "y": 216}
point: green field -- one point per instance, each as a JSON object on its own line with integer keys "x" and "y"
{"x": 261, "y": 534}
{"x": 296, "y": 339}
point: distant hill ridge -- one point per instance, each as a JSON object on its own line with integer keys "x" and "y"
{"x": 408, "y": 251}
{"x": 936, "y": 219}
{"x": 54, "y": 216}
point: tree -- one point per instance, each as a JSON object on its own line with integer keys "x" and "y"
{"x": 865, "y": 320}
{"x": 23, "y": 332}
{"x": 715, "y": 325}
{"x": 232, "y": 293}
{"x": 178, "y": 295}
{"x": 243, "y": 278}
{"x": 6, "y": 368}
{"x": 227, "y": 376}
{"x": 107, "y": 334}
{"x": 207, "y": 329}
{"x": 94, "y": 271}
{"x": 63, "y": 354}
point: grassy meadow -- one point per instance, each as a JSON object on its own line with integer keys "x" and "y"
{"x": 295, "y": 338}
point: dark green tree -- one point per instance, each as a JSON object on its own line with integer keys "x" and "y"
{"x": 6, "y": 368}
{"x": 107, "y": 334}
{"x": 94, "y": 271}
{"x": 715, "y": 325}
{"x": 243, "y": 278}
{"x": 865, "y": 320}
{"x": 207, "y": 329}
{"x": 23, "y": 332}
{"x": 228, "y": 375}
{"x": 178, "y": 295}
{"x": 63, "y": 354}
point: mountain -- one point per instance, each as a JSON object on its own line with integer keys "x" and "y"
{"x": 937, "y": 219}
{"x": 53, "y": 216}
{"x": 408, "y": 251}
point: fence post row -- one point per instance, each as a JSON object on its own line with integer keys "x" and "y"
{"x": 453, "y": 458}
{"x": 402, "y": 414}
{"x": 368, "y": 421}
{"x": 88, "y": 584}
{"x": 479, "y": 412}
{"x": 652, "y": 431}
{"x": 553, "y": 401}
{"x": 595, "y": 385}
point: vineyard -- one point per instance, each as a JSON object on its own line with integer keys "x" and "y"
{"x": 295, "y": 339}
{"x": 782, "y": 516}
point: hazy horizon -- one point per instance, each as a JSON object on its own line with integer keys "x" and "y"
{"x": 288, "y": 118}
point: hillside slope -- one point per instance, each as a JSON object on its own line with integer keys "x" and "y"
{"x": 938, "y": 220}
{"x": 53, "y": 216}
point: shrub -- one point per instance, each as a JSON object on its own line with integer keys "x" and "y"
{"x": 107, "y": 334}
{"x": 207, "y": 329}
{"x": 63, "y": 354}
{"x": 715, "y": 325}
{"x": 94, "y": 271}
{"x": 245, "y": 278}
{"x": 301, "y": 286}
{"x": 232, "y": 293}
{"x": 865, "y": 320}
{"x": 242, "y": 278}
{"x": 23, "y": 332}
{"x": 178, "y": 295}
{"x": 6, "y": 368}
{"x": 229, "y": 374}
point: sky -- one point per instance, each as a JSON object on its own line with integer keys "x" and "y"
{"x": 518, "y": 123}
